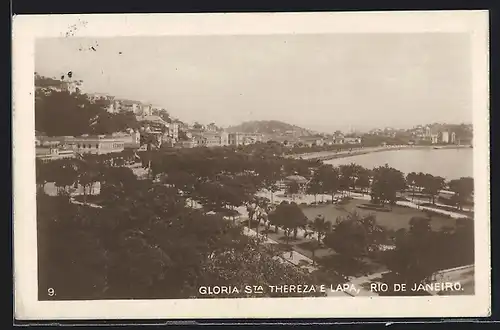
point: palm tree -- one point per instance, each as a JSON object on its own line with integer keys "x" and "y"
{"x": 320, "y": 226}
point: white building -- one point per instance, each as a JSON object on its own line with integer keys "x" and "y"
{"x": 453, "y": 137}
{"x": 122, "y": 105}
{"x": 73, "y": 86}
{"x": 239, "y": 138}
{"x": 147, "y": 109}
{"x": 174, "y": 130}
{"x": 96, "y": 97}
{"x": 445, "y": 137}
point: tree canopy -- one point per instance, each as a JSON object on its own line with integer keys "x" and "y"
{"x": 79, "y": 114}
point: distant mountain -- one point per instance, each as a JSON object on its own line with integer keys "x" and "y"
{"x": 270, "y": 127}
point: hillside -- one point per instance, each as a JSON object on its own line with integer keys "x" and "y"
{"x": 270, "y": 127}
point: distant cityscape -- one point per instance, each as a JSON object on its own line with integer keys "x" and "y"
{"x": 157, "y": 129}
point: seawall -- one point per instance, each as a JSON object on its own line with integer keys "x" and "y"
{"x": 327, "y": 155}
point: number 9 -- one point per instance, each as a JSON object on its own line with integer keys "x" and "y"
{"x": 51, "y": 292}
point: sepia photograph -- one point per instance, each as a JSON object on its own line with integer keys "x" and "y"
{"x": 219, "y": 168}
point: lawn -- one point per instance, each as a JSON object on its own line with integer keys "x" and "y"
{"x": 398, "y": 218}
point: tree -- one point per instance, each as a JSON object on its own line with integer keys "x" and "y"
{"x": 289, "y": 216}
{"x": 433, "y": 185}
{"x": 420, "y": 180}
{"x": 320, "y": 226}
{"x": 411, "y": 261}
{"x": 184, "y": 181}
{"x": 354, "y": 235}
{"x": 69, "y": 251}
{"x": 115, "y": 183}
{"x": 253, "y": 264}
{"x": 363, "y": 179}
{"x": 79, "y": 114}
{"x": 269, "y": 172}
{"x": 108, "y": 123}
{"x": 63, "y": 174}
{"x": 420, "y": 226}
{"x": 411, "y": 180}
{"x": 387, "y": 182}
{"x": 147, "y": 245}
{"x": 329, "y": 177}
{"x": 293, "y": 188}
{"x": 89, "y": 173}
{"x": 463, "y": 189}
{"x": 42, "y": 175}
{"x": 348, "y": 175}
{"x": 314, "y": 187}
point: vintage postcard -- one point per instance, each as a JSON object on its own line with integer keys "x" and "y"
{"x": 267, "y": 165}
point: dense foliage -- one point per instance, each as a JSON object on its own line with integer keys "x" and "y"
{"x": 421, "y": 252}
{"x": 77, "y": 111}
{"x": 144, "y": 240}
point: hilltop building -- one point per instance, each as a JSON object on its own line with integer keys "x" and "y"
{"x": 137, "y": 107}
{"x": 96, "y": 97}
{"x": 46, "y": 85}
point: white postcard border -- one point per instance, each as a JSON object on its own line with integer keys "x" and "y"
{"x": 28, "y": 28}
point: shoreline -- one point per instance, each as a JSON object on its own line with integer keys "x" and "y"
{"x": 328, "y": 155}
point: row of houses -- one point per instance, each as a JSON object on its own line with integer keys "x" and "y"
{"x": 311, "y": 141}
{"x": 59, "y": 147}
{"x": 211, "y": 138}
{"x": 432, "y": 134}
{"x": 156, "y": 123}
{"x": 446, "y": 137}
{"x": 117, "y": 105}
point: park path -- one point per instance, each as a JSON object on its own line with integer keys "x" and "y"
{"x": 74, "y": 201}
{"x": 421, "y": 201}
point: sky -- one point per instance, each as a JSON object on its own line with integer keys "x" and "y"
{"x": 322, "y": 82}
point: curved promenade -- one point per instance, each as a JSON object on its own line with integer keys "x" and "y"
{"x": 327, "y": 155}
